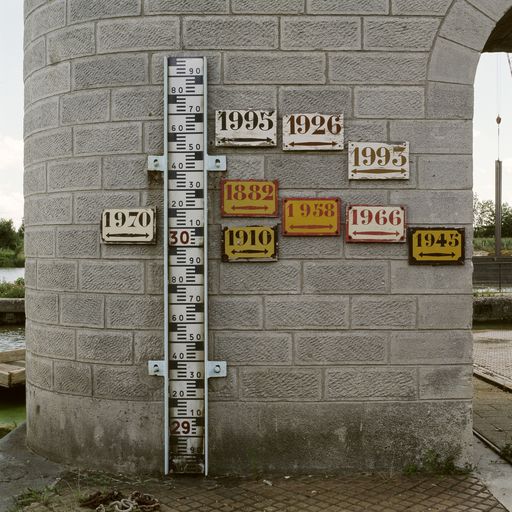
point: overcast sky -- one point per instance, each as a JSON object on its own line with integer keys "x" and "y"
{"x": 11, "y": 118}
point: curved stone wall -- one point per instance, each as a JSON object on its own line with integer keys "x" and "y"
{"x": 340, "y": 355}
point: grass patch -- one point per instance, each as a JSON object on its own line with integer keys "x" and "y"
{"x": 487, "y": 245}
{"x": 433, "y": 463}
{"x": 506, "y": 452}
{"x": 5, "y": 429}
{"x": 10, "y": 258}
{"x": 43, "y": 496}
{"x": 14, "y": 290}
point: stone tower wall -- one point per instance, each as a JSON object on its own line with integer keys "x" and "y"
{"x": 339, "y": 355}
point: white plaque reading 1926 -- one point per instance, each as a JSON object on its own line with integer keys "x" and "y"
{"x": 245, "y": 128}
{"x": 128, "y": 226}
{"x": 307, "y": 132}
{"x": 378, "y": 161}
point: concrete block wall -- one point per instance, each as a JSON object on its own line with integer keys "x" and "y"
{"x": 340, "y": 356}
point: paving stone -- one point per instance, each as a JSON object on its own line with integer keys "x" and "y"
{"x": 280, "y": 384}
{"x": 98, "y": 9}
{"x": 86, "y": 310}
{"x": 148, "y": 33}
{"x": 253, "y": 348}
{"x": 377, "y": 67}
{"x": 274, "y": 68}
{"x": 347, "y": 6}
{"x": 307, "y": 312}
{"x": 399, "y": 33}
{"x": 75, "y": 174}
{"x": 231, "y": 32}
{"x": 371, "y": 384}
{"x": 103, "y": 346}
{"x": 354, "y": 347}
{"x": 53, "y": 342}
{"x": 320, "y": 33}
{"x": 72, "y": 378}
{"x": 383, "y": 312}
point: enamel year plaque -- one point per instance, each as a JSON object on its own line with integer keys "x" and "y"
{"x": 249, "y": 198}
{"x": 375, "y": 223}
{"x": 436, "y": 246}
{"x": 249, "y": 243}
{"x": 307, "y": 132}
{"x": 311, "y": 216}
{"x": 378, "y": 161}
{"x": 245, "y": 128}
{"x": 128, "y": 226}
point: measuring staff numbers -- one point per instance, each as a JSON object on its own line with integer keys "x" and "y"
{"x": 378, "y": 161}
{"x": 186, "y": 298}
{"x": 245, "y": 128}
{"x": 375, "y": 223}
{"x": 306, "y": 132}
{"x": 246, "y": 243}
{"x": 436, "y": 246}
{"x": 249, "y": 198}
{"x": 311, "y": 216}
{"x": 128, "y": 225}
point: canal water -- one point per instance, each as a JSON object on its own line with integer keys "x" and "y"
{"x": 12, "y": 401}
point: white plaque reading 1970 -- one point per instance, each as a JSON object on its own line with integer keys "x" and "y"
{"x": 128, "y": 226}
{"x": 308, "y": 132}
{"x": 378, "y": 161}
{"x": 245, "y": 128}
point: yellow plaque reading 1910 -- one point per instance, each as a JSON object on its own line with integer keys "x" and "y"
{"x": 249, "y": 243}
{"x": 436, "y": 246}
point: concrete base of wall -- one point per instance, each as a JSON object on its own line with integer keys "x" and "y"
{"x": 96, "y": 433}
{"x": 297, "y": 437}
{"x": 12, "y": 311}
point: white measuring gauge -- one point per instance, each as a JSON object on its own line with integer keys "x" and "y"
{"x": 187, "y": 300}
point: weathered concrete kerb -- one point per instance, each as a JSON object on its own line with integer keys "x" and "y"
{"x": 340, "y": 356}
{"x": 12, "y": 311}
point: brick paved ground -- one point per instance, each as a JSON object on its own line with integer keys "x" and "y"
{"x": 297, "y": 494}
{"x": 493, "y": 355}
{"x": 492, "y": 413}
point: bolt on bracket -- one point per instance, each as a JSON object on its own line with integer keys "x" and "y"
{"x": 156, "y": 163}
{"x": 216, "y": 369}
{"x": 213, "y": 163}
{"x": 158, "y": 368}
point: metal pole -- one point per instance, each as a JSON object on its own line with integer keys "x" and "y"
{"x": 497, "y": 209}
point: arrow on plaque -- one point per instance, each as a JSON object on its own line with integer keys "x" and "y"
{"x": 234, "y": 207}
{"x": 293, "y": 143}
{"x": 437, "y": 254}
{"x": 268, "y": 140}
{"x": 146, "y": 235}
{"x": 380, "y": 171}
{"x": 377, "y": 233}
{"x": 249, "y": 251}
{"x": 312, "y": 226}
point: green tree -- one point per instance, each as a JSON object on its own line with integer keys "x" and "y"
{"x": 9, "y": 238}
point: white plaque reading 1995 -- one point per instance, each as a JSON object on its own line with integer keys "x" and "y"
{"x": 128, "y": 226}
{"x": 378, "y": 161}
{"x": 245, "y": 128}
{"x": 308, "y": 132}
